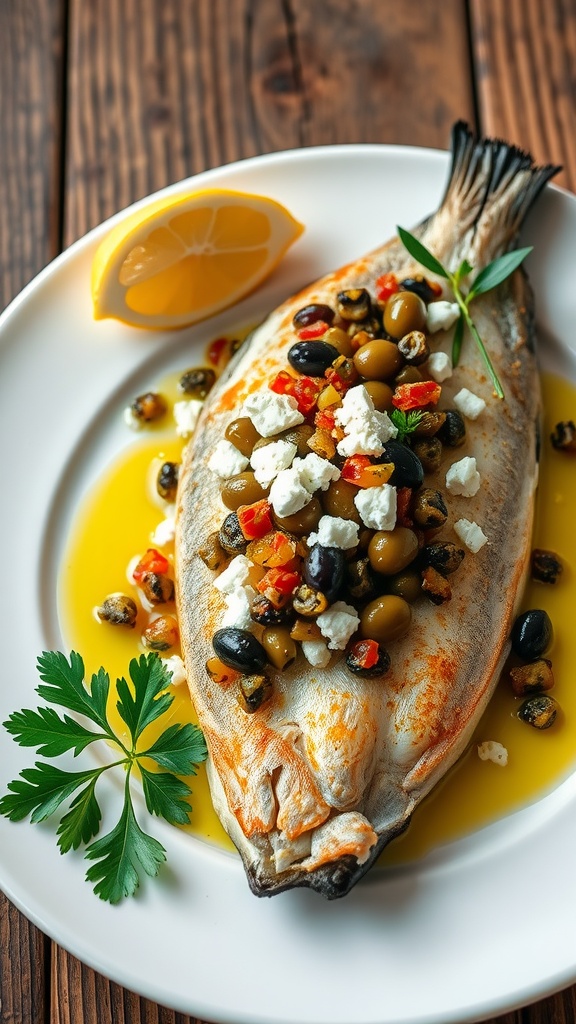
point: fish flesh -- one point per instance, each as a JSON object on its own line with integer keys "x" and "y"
{"x": 314, "y": 784}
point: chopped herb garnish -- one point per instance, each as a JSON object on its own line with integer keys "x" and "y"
{"x": 39, "y": 791}
{"x": 405, "y": 422}
{"x": 492, "y": 275}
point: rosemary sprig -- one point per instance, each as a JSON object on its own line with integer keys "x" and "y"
{"x": 492, "y": 275}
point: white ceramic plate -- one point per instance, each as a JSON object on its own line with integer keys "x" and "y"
{"x": 470, "y": 931}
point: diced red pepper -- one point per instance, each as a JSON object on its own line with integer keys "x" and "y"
{"x": 285, "y": 582}
{"x": 304, "y": 389}
{"x": 354, "y": 466}
{"x": 343, "y": 374}
{"x": 386, "y": 286}
{"x": 403, "y": 499}
{"x": 359, "y": 470}
{"x": 365, "y": 653}
{"x": 151, "y": 561}
{"x": 324, "y": 419}
{"x": 255, "y": 520}
{"x": 214, "y": 350}
{"x": 311, "y": 331}
{"x": 417, "y": 395}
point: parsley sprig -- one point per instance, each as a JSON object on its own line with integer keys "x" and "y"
{"x": 121, "y": 854}
{"x": 405, "y": 422}
{"x": 492, "y": 275}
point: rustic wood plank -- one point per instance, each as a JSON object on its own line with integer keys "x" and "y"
{"x": 525, "y": 56}
{"x": 160, "y": 89}
{"x": 23, "y": 968}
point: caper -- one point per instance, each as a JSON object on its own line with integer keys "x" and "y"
{"x": 380, "y": 393}
{"x": 239, "y": 649}
{"x": 312, "y": 314}
{"x": 354, "y": 304}
{"x": 230, "y": 536}
{"x": 378, "y": 360}
{"x": 157, "y": 587}
{"x": 253, "y": 692}
{"x": 443, "y": 556}
{"x": 212, "y": 553}
{"x": 324, "y": 570}
{"x": 386, "y": 618}
{"x": 148, "y": 407}
{"x": 406, "y": 584}
{"x": 539, "y": 712}
{"x": 118, "y": 610}
{"x": 390, "y": 551}
{"x": 243, "y": 434}
{"x": 429, "y": 451}
{"x": 279, "y": 646}
{"x": 359, "y": 579}
{"x": 303, "y": 522}
{"x": 309, "y": 602}
{"x": 534, "y": 677}
{"x": 356, "y": 658}
{"x": 312, "y": 357}
{"x": 546, "y": 567}
{"x": 420, "y": 286}
{"x": 414, "y": 347}
{"x": 435, "y": 585}
{"x": 338, "y": 500}
{"x": 453, "y": 430}
{"x": 197, "y": 382}
{"x": 167, "y": 480}
{"x": 161, "y": 633}
{"x": 404, "y": 312}
{"x": 265, "y": 613}
{"x": 531, "y": 634}
{"x": 429, "y": 509}
{"x": 242, "y": 489}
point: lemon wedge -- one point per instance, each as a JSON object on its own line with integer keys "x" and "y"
{"x": 184, "y": 258}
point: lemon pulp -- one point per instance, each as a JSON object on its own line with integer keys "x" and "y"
{"x": 116, "y": 523}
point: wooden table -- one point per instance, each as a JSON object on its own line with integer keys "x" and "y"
{"x": 104, "y": 101}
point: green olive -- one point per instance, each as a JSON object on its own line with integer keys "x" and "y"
{"x": 242, "y": 489}
{"x": 408, "y": 375}
{"x": 279, "y": 646}
{"x": 380, "y": 394}
{"x": 390, "y": 551}
{"x": 378, "y": 360}
{"x": 243, "y": 434}
{"x": 302, "y": 522}
{"x": 340, "y": 340}
{"x": 406, "y": 584}
{"x": 299, "y": 436}
{"x": 338, "y": 500}
{"x": 384, "y": 619}
{"x": 404, "y": 312}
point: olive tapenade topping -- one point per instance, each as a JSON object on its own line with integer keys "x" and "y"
{"x": 564, "y": 436}
{"x": 198, "y": 382}
{"x": 161, "y": 634}
{"x": 540, "y": 712}
{"x": 546, "y": 567}
{"x": 118, "y": 610}
{"x": 167, "y": 480}
{"x": 253, "y": 692}
{"x": 534, "y": 677}
{"x": 149, "y": 407}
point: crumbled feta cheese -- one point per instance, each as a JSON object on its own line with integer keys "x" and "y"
{"x": 288, "y": 494}
{"x": 441, "y": 315}
{"x": 271, "y": 459}
{"x": 469, "y": 404}
{"x": 471, "y": 535}
{"x": 315, "y": 472}
{"x": 377, "y": 506}
{"x": 186, "y": 415}
{"x": 175, "y": 665}
{"x": 439, "y": 366}
{"x": 316, "y": 652}
{"x": 226, "y": 460}
{"x": 234, "y": 575}
{"x": 334, "y": 532}
{"x": 165, "y": 532}
{"x": 337, "y": 624}
{"x": 131, "y": 420}
{"x": 491, "y": 750}
{"x": 270, "y": 413}
{"x": 366, "y": 429}
{"x": 463, "y": 477}
{"x": 237, "y": 612}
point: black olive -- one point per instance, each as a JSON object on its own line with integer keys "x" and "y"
{"x": 531, "y": 634}
{"x": 359, "y": 580}
{"x": 443, "y": 556}
{"x": 311, "y": 314}
{"x": 354, "y": 304}
{"x": 420, "y": 286}
{"x": 157, "y": 587}
{"x": 355, "y": 657}
{"x": 408, "y": 470}
{"x": 429, "y": 509}
{"x": 239, "y": 649}
{"x": 230, "y": 536}
{"x": 453, "y": 430}
{"x": 266, "y": 614}
{"x": 167, "y": 480}
{"x": 312, "y": 357}
{"x": 197, "y": 382}
{"x": 254, "y": 691}
{"x": 324, "y": 570}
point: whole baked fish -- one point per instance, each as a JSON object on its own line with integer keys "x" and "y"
{"x": 313, "y": 783}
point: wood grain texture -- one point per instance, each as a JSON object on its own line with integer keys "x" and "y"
{"x": 23, "y": 968}
{"x": 160, "y": 89}
{"x": 525, "y": 63}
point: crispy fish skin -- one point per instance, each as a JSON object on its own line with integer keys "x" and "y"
{"x": 315, "y": 784}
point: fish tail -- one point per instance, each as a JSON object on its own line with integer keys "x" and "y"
{"x": 491, "y": 186}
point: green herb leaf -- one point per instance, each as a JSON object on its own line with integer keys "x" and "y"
{"x": 463, "y": 270}
{"x": 165, "y": 796}
{"x": 120, "y": 853}
{"x": 40, "y": 790}
{"x": 65, "y": 686}
{"x": 496, "y": 272}
{"x": 148, "y": 702}
{"x": 457, "y": 340}
{"x": 405, "y": 422}
{"x": 421, "y": 253}
{"x": 51, "y": 734}
{"x": 81, "y": 823}
{"x": 179, "y": 749}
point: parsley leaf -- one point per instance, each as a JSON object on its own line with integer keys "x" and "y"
{"x": 38, "y": 792}
{"x": 405, "y": 422}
